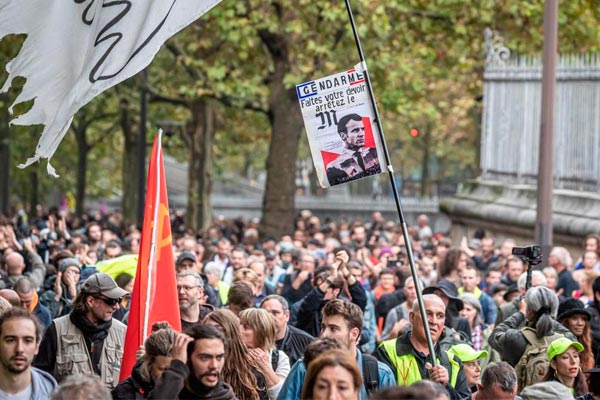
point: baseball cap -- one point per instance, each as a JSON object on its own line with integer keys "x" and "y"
{"x": 105, "y": 285}
{"x": 466, "y": 353}
{"x": 449, "y": 289}
{"x": 559, "y": 346}
{"x": 186, "y": 255}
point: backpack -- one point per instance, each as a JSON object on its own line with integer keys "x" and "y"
{"x": 451, "y": 338}
{"x": 533, "y": 364}
{"x": 370, "y": 373}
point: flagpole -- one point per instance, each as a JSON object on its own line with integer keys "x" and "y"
{"x": 154, "y": 232}
{"x": 390, "y": 169}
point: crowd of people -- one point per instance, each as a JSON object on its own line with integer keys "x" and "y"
{"x": 328, "y": 311}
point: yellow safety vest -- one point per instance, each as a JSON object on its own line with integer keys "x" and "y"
{"x": 407, "y": 369}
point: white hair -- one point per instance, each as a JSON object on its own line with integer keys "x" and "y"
{"x": 523, "y": 279}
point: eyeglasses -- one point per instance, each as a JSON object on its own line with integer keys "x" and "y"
{"x": 186, "y": 288}
{"x": 109, "y": 302}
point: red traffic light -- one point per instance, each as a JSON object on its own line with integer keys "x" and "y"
{"x": 414, "y": 132}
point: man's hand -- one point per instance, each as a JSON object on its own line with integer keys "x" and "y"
{"x": 398, "y": 326}
{"x": 438, "y": 374}
{"x": 71, "y": 284}
{"x": 179, "y": 350}
{"x": 57, "y": 287}
{"x": 28, "y": 244}
{"x": 523, "y": 306}
{"x": 300, "y": 279}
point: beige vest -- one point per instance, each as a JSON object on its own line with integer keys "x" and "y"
{"x": 72, "y": 356}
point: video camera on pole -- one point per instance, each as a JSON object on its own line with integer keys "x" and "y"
{"x": 532, "y": 255}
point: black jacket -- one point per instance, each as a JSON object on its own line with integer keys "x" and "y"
{"x": 508, "y": 340}
{"x": 595, "y": 325}
{"x": 293, "y": 295}
{"x": 293, "y": 343}
{"x": 173, "y": 385}
{"x": 134, "y": 387}
{"x": 404, "y": 346}
{"x": 309, "y": 316}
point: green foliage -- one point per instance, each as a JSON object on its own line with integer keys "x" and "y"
{"x": 425, "y": 60}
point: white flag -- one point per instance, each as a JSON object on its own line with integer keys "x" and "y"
{"x": 76, "y": 49}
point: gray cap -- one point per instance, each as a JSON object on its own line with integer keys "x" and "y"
{"x": 546, "y": 390}
{"x": 69, "y": 262}
{"x": 103, "y": 284}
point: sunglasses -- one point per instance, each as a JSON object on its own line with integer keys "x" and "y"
{"x": 109, "y": 302}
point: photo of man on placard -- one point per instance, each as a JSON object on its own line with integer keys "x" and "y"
{"x": 356, "y": 160}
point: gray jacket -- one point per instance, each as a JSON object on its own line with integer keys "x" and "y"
{"x": 43, "y": 384}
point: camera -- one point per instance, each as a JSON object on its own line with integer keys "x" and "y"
{"x": 531, "y": 254}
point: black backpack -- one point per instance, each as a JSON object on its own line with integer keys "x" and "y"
{"x": 370, "y": 373}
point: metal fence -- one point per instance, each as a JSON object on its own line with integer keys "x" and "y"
{"x": 512, "y": 113}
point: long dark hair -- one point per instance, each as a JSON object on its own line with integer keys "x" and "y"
{"x": 579, "y": 384}
{"x": 586, "y": 356}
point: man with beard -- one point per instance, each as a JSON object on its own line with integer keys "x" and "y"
{"x": 89, "y": 340}
{"x": 343, "y": 321}
{"x": 190, "y": 293}
{"x": 408, "y": 354}
{"x": 195, "y": 370}
{"x": 20, "y": 335}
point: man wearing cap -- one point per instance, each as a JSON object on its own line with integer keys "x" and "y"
{"x": 188, "y": 261}
{"x": 59, "y": 299}
{"x": 470, "y": 359}
{"x": 408, "y": 354}
{"x": 447, "y": 291}
{"x": 89, "y": 340}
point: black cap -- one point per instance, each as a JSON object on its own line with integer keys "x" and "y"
{"x": 571, "y": 307}
{"x": 512, "y": 289}
{"x": 186, "y": 255}
{"x": 449, "y": 290}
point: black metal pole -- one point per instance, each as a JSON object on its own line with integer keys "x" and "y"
{"x": 141, "y": 144}
{"x": 390, "y": 169}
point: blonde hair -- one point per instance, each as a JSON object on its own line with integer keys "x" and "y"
{"x": 246, "y": 275}
{"x": 263, "y": 325}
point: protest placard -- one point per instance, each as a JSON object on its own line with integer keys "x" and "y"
{"x": 341, "y": 128}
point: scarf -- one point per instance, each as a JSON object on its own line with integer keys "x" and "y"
{"x": 92, "y": 332}
{"x": 34, "y": 302}
{"x": 196, "y": 390}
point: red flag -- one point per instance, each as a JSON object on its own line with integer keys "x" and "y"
{"x": 155, "y": 264}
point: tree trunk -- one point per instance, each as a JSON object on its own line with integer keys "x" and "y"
{"x": 286, "y": 125}
{"x": 129, "y": 169}
{"x": 200, "y": 136}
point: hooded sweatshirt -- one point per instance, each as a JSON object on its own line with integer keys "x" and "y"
{"x": 43, "y": 384}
